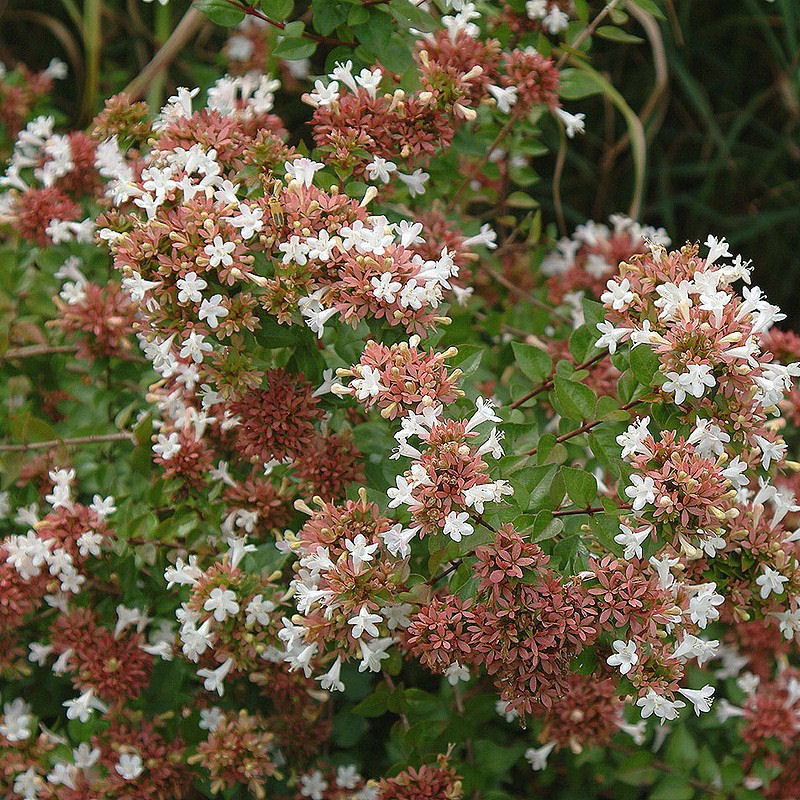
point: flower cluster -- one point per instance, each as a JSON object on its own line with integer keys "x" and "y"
{"x": 581, "y": 265}
{"x": 22, "y": 90}
{"x": 699, "y": 489}
{"x": 47, "y": 175}
{"x": 346, "y": 577}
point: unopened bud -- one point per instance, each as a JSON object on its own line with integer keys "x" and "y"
{"x": 369, "y": 196}
{"x": 475, "y": 72}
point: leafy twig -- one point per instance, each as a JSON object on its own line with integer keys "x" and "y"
{"x": 545, "y": 386}
{"x": 254, "y": 12}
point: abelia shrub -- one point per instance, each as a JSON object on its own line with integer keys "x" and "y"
{"x": 329, "y": 473}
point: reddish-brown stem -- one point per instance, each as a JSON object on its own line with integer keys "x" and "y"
{"x": 585, "y": 428}
{"x": 254, "y": 12}
{"x": 572, "y": 512}
{"x": 548, "y": 384}
{"x": 481, "y": 521}
{"x": 454, "y": 565}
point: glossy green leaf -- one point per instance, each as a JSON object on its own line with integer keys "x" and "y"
{"x": 328, "y": 15}
{"x": 615, "y": 34}
{"x": 277, "y": 9}
{"x": 574, "y": 400}
{"x": 581, "y": 486}
{"x": 534, "y": 362}
{"x": 220, "y": 12}
{"x": 644, "y": 363}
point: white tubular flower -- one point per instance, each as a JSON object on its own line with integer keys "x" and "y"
{"x": 456, "y": 525}
{"x": 625, "y": 656}
{"x": 663, "y": 708}
{"x": 537, "y": 756}
{"x": 701, "y": 699}
{"x": 771, "y": 582}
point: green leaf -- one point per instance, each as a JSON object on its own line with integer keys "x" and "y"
{"x": 308, "y": 360}
{"x": 673, "y": 787}
{"x": 547, "y": 441}
{"x": 651, "y": 7}
{"x": 581, "y": 342}
{"x": 468, "y": 359}
{"x": 644, "y": 363}
{"x": 374, "y": 33}
{"x": 608, "y": 410}
{"x": 618, "y": 16}
{"x": 546, "y": 526}
{"x": 581, "y": 486}
{"x": 707, "y": 767}
{"x": 576, "y": 85}
{"x": 328, "y": 15}
{"x": 358, "y": 15}
{"x": 422, "y": 706}
{"x": 348, "y": 729}
{"x": 533, "y": 485}
{"x": 221, "y": 12}
{"x": 605, "y": 527}
{"x": 411, "y": 16}
{"x": 637, "y": 770}
{"x": 681, "y": 748}
{"x": 615, "y": 34}
{"x": 606, "y": 450}
{"x": 294, "y": 46}
{"x": 396, "y": 55}
{"x": 593, "y": 312}
{"x": 375, "y": 704}
{"x": 521, "y": 200}
{"x": 277, "y": 9}
{"x": 272, "y": 335}
{"x": 294, "y": 29}
{"x": 627, "y": 386}
{"x": 534, "y": 362}
{"x": 573, "y": 400}
{"x": 295, "y": 49}
{"x": 493, "y": 758}
{"x": 27, "y": 428}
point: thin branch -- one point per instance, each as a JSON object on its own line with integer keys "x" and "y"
{"x": 570, "y": 512}
{"x": 502, "y": 133}
{"x": 96, "y": 439}
{"x": 512, "y": 287}
{"x": 166, "y": 54}
{"x": 587, "y": 32}
{"x": 456, "y": 563}
{"x": 585, "y": 428}
{"x": 37, "y": 350}
{"x": 558, "y": 171}
{"x": 548, "y": 384}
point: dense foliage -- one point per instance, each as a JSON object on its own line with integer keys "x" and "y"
{"x": 335, "y": 466}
